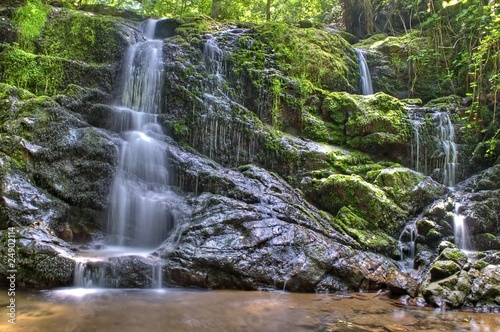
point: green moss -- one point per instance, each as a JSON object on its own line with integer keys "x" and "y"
{"x": 455, "y": 255}
{"x": 443, "y": 269}
{"x": 364, "y": 199}
{"x": 30, "y": 20}
{"x": 480, "y": 265}
{"x": 365, "y": 233}
{"x": 313, "y": 55}
{"x": 315, "y": 128}
{"x": 38, "y": 74}
{"x": 398, "y": 183}
{"x": 337, "y": 106}
{"x": 82, "y": 36}
{"x": 191, "y": 28}
{"x": 379, "y": 121}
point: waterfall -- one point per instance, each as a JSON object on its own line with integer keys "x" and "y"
{"x": 89, "y": 277}
{"x": 406, "y": 245}
{"x": 139, "y": 213}
{"x": 364, "y": 70}
{"x": 446, "y": 134}
{"x": 460, "y": 233}
{"x": 434, "y": 150}
{"x": 143, "y": 209}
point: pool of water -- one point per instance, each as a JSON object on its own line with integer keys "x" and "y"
{"x": 81, "y": 310}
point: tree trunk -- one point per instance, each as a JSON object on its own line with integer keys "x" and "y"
{"x": 215, "y": 9}
{"x": 268, "y": 10}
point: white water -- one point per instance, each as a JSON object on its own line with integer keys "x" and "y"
{"x": 446, "y": 135}
{"x": 406, "y": 245}
{"x": 460, "y": 233}
{"x": 140, "y": 214}
{"x": 434, "y": 150}
{"x": 364, "y": 70}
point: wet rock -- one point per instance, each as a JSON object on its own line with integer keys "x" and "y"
{"x": 54, "y": 161}
{"x": 41, "y": 258}
{"x": 23, "y": 204}
{"x": 401, "y": 284}
{"x": 485, "y": 289}
{"x": 453, "y": 254}
{"x": 255, "y": 231}
{"x": 490, "y": 179}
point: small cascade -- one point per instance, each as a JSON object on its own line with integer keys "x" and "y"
{"x": 460, "y": 232}
{"x": 416, "y": 122}
{"x": 364, "y": 70}
{"x": 213, "y": 56}
{"x": 157, "y": 280}
{"x": 89, "y": 277}
{"x": 446, "y": 134}
{"x": 434, "y": 150}
{"x": 406, "y": 245}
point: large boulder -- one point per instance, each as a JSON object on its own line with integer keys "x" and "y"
{"x": 55, "y": 167}
{"x": 39, "y": 257}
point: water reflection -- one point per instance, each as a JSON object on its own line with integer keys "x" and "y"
{"x": 187, "y": 310}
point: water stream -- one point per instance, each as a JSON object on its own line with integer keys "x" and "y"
{"x": 434, "y": 151}
{"x": 140, "y": 216}
{"x": 364, "y": 70}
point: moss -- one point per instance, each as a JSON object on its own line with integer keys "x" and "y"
{"x": 455, "y": 255}
{"x": 312, "y": 55}
{"x": 191, "y": 28}
{"x": 82, "y": 36}
{"x": 379, "y": 125}
{"x": 365, "y": 199}
{"x": 480, "y": 265}
{"x": 365, "y": 233}
{"x": 337, "y": 106}
{"x": 30, "y": 20}
{"x": 443, "y": 269}
{"x": 39, "y": 74}
{"x": 398, "y": 184}
{"x": 315, "y": 129}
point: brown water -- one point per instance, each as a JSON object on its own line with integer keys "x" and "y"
{"x": 82, "y": 310}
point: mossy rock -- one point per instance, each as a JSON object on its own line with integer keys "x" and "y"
{"x": 49, "y": 75}
{"x": 455, "y": 255}
{"x": 485, "y": 241}
{"x": 337, "y": 106}
{"x": 443, "y": 269}
{"x": 398, "y": 184}
{"x": 379, "y": 126}
{"x": 81, "y": 36}
{"x": 366, "y": 200}
{"x": 42, "y": 259}
{"x": 365, "y": 233}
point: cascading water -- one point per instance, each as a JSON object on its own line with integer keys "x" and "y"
{"x": 460, "y": 232}
{"x": 446, "y": 134}
{"x": 140, "y": 213}
{"x": 364, "y": 70}
{"x": 406, "y": 245}
{"x": 434, "y": 152}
